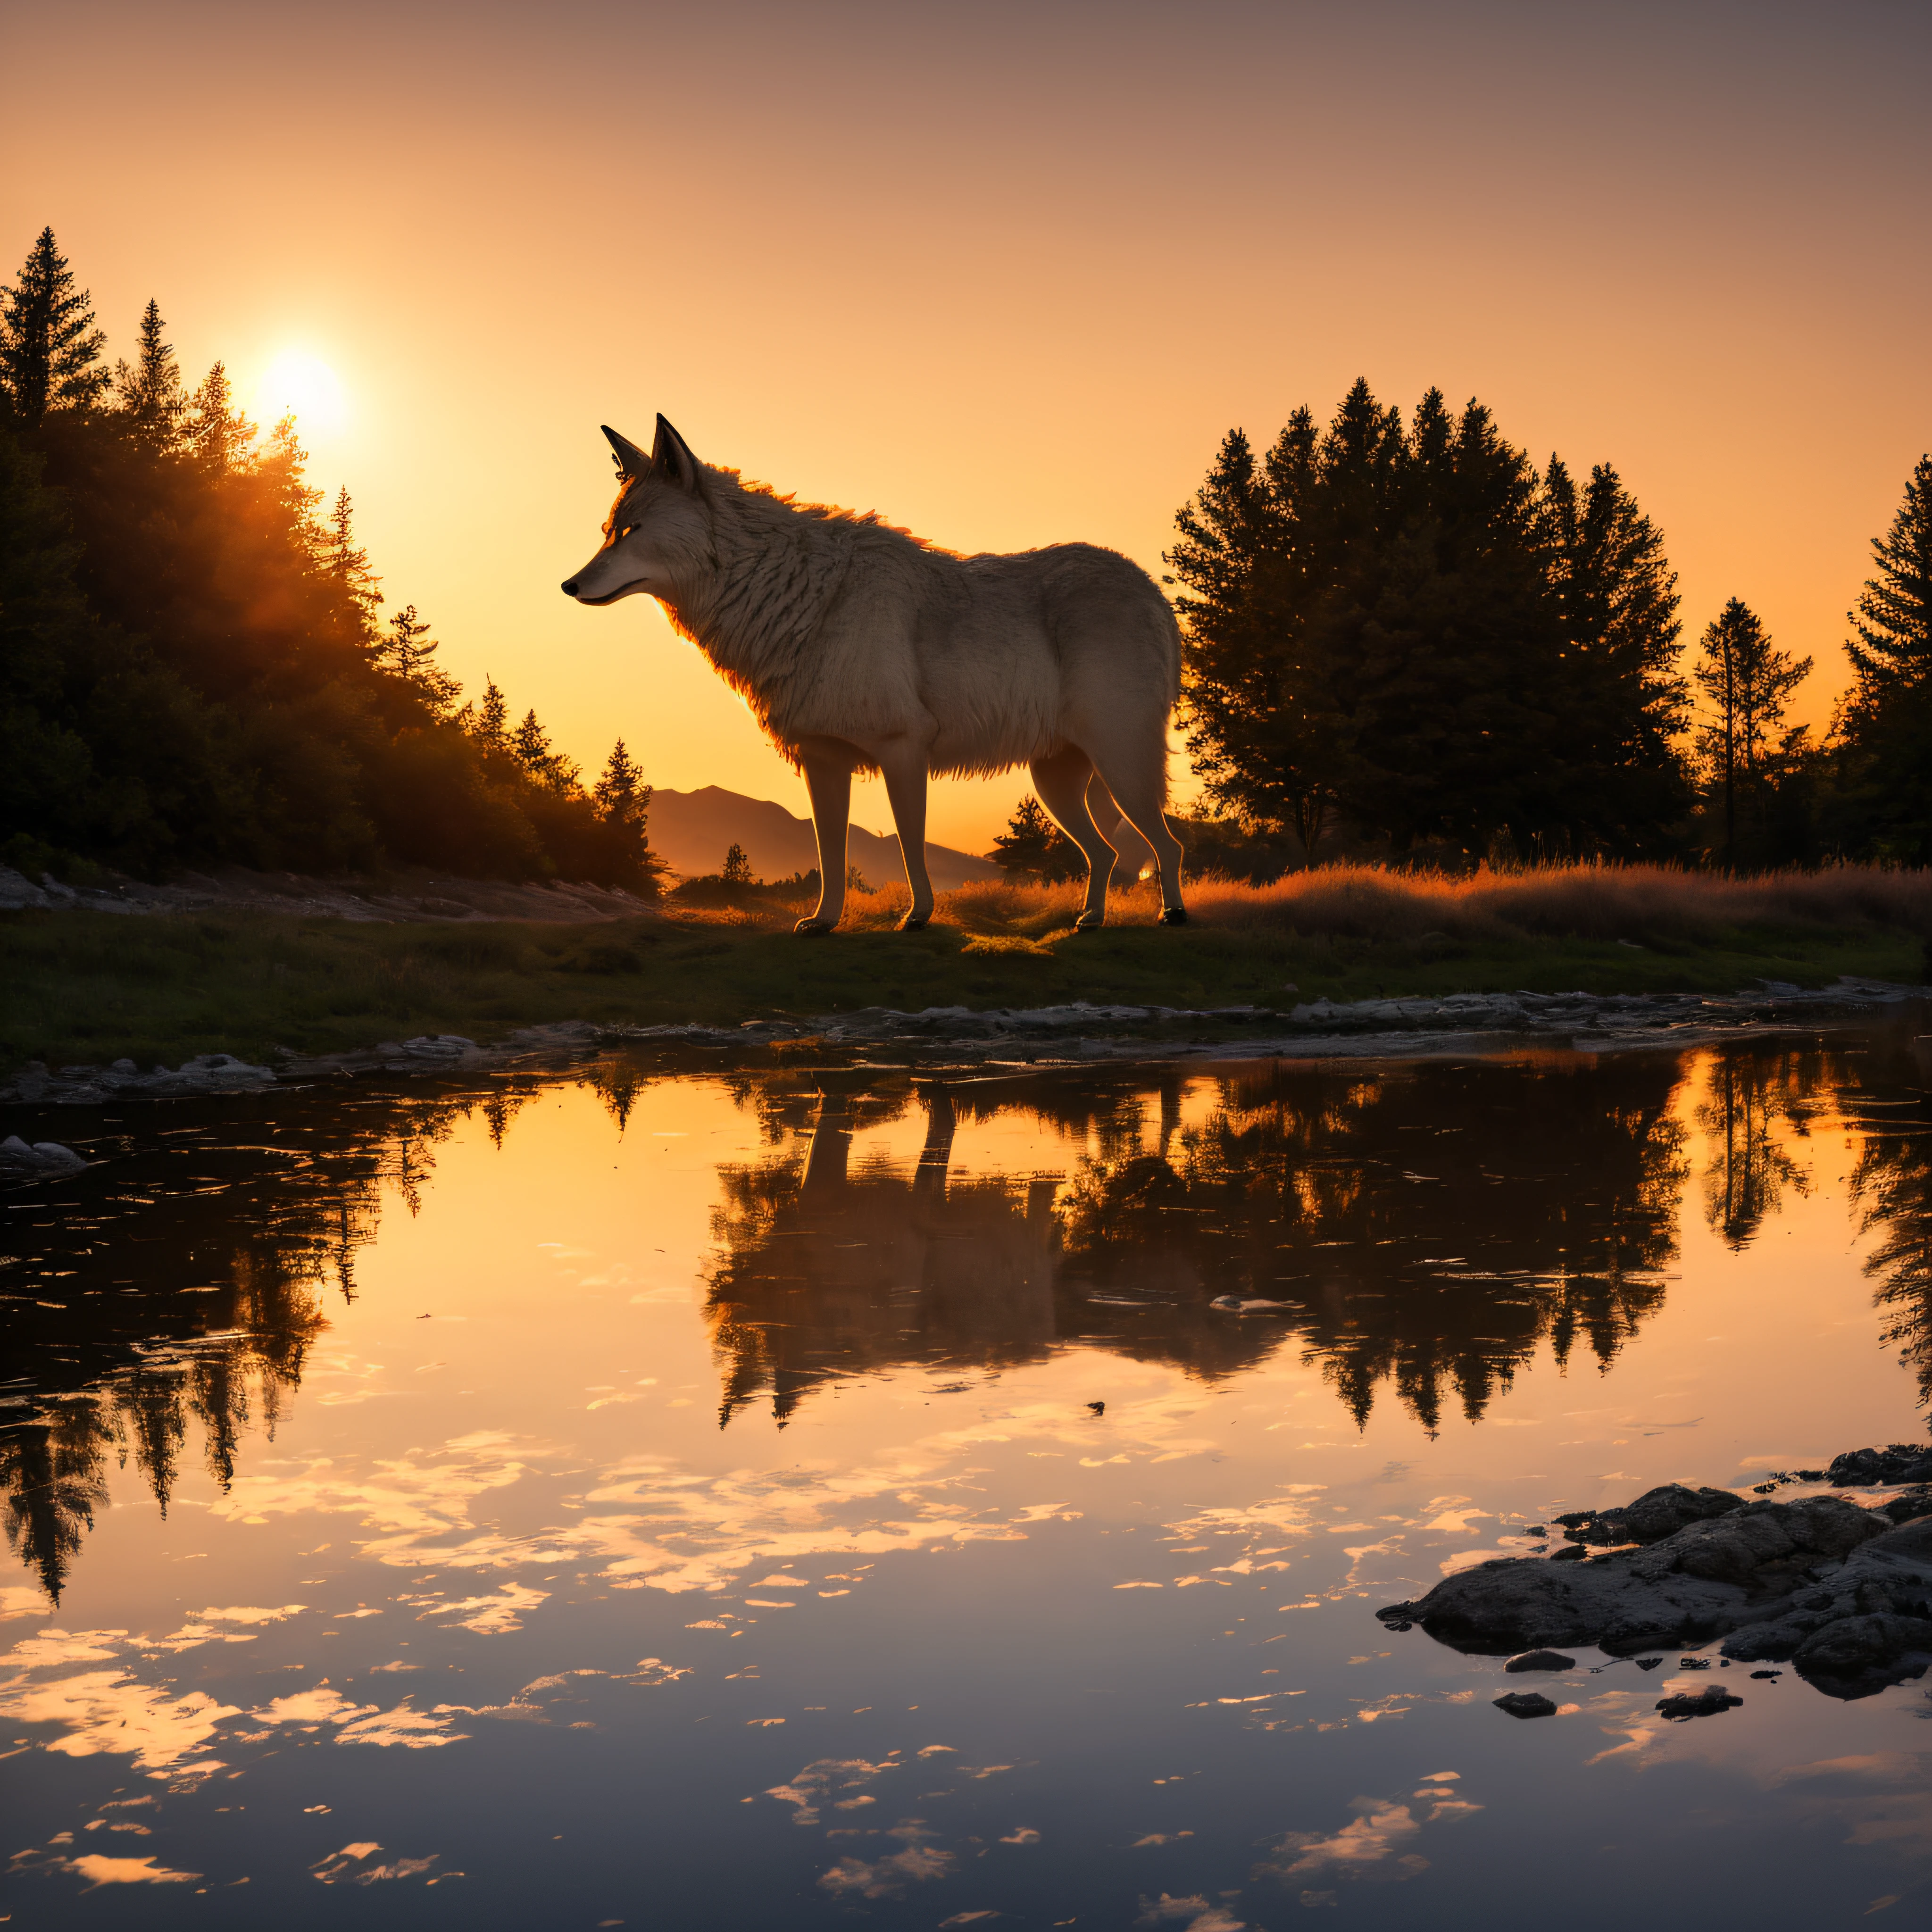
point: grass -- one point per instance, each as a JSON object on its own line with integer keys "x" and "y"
{"x": 85, "y": 987}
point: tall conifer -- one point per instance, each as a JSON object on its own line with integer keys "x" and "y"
{"x": 621, "y": 795}
{"x": 151, "y": 397}
{"x": 1747, "y": 681}
{"x": 221, "y": 436}
{"x": 50, "y": 348}
{"x": 1888, "y": 717}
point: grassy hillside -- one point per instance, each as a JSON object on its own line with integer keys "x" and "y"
{"x": 89, "y": 987}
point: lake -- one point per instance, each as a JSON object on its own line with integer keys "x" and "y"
{"x": 786, "y": 1496}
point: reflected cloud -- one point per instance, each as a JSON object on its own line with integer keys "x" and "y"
{"x": 98, "y": 1871}
{"x": 1369, "y": 1847}
{"x": 1197, "y": 1913}
{"x": 889, "y": 1876}
{"x": 107, "y": 1710}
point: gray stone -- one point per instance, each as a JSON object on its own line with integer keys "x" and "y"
{"x": 1839, "y": 1591}
{"x": 1526, "y": 1704}
{"x": 1900, "y": 1462}
{"x": 1540, "y": 1660}
{"x": 43, "y": 1157}
{"x": 1708, "y": 1703}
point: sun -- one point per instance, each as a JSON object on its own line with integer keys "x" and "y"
{"x": 297, "y": 384}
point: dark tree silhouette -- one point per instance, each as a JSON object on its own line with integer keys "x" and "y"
{"x": 192, "y": 670}
{"x": 1033, "y": 843}
{"x": 50, "y": 348}
{"x": 1414, "y": 630}
{"x": 153, "y": 403}
{"x": 1747, "y": 681}
{"x": 1888, "y": 718}
{"x": 622, "y": 798}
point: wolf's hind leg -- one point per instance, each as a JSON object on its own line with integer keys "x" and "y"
{"x": 828, "y": 783}
{"x": 1139, "y": 787}
{"x": 1061, "y": 780}
{"x": 903, "y": 769}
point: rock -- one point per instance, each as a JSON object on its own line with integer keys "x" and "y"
{"x": 1861, "y": 1469}
{"x": 1655, "y": 1514}
{"x": 1755, "y": 1571}
{"x": 1913, "y": 1504}
{"x": 1540, "y": 1660}
{"x": 1526, "y": 1704}
{"x": 1699, "y": 1704}
{"x": 1855, "y": 1648}
{"x": 43, "y": 1157}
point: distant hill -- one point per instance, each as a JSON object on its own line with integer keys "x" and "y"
{"x": 690, "y": 830}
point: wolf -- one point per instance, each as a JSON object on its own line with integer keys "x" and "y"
{"x": 860, "y": 648}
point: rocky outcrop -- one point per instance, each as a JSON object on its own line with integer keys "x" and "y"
{"x": 1656, "y": 1514}
{"x": 1844, "y": 1593}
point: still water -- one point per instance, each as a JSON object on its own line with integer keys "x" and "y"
{"x": 890, "y": 1497}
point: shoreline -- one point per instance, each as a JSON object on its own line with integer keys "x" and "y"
{"x": 1042, "y": 1039}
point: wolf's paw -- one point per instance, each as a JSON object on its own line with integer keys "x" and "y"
{"x": 813, "y": 929}
{"x": 1090, "y": 921}
{"x": 912, "y": 922}
{"x": 1174, "y": 915}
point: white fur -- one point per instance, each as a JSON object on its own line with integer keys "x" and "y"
{"x": 859, "y": 648}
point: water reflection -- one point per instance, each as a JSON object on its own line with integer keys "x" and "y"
{"x": 1756, "y": 1094}
{"x": 184, "y": 1281}
{"x": 1418, "y": 1232}
{"x": 1892, "y": 1183}
{"x": 1426, "y": 1229}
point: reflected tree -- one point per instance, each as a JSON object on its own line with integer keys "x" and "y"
{"x": 1891, "y": 1183}
{"x": 1757, "y": 1094}
{"x": 1427, "y": 1229}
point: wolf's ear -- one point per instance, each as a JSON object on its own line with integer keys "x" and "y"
{"x": 630, "y": 460}
{"x": 672, "y": 460}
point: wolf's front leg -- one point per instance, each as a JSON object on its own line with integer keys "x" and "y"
{"x": 904, "y": 771}
{"x": 828, "y": 783}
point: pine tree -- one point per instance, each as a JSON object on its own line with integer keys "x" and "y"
{"x": 1893, "y": 618}
{"x": 152, "y": 399}
{"x": 1747, "y": 681}
{"x": 348, "y": 563}
{"x": 489, "y": 723}
{"x": 221, "y": 436}
{"x": 1888, "y": 717}
{"x": 1410, "y": 628}
{"x": 410, "y": 651}
{"x": 531, "y": 743}
{"x": 620, "y": 795}
{"x": 1032, "y": 843}
{"x": 49, "y": 345}
{"x": 737, "y": 866}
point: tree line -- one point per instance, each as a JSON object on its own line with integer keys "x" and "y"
{"x": 1404, "y": 636}
{"x": 196, "y": 666}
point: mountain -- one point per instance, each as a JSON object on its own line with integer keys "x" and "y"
{"x": 690, "y": 830}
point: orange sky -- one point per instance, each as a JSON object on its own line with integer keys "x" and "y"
{"x": 1005, "y": 274}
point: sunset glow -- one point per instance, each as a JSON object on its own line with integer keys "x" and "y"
{"x": 302, "y": 385}
{"x": 1010, "y": 280}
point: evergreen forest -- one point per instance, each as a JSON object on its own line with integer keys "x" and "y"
{"x": 196, "y": 665}
{"x": 1403, "y": 640}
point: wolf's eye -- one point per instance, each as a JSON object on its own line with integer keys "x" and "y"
{"x": 625, "y": 532}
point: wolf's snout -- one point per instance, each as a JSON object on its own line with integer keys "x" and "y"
{"x": 570, "y": 587}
